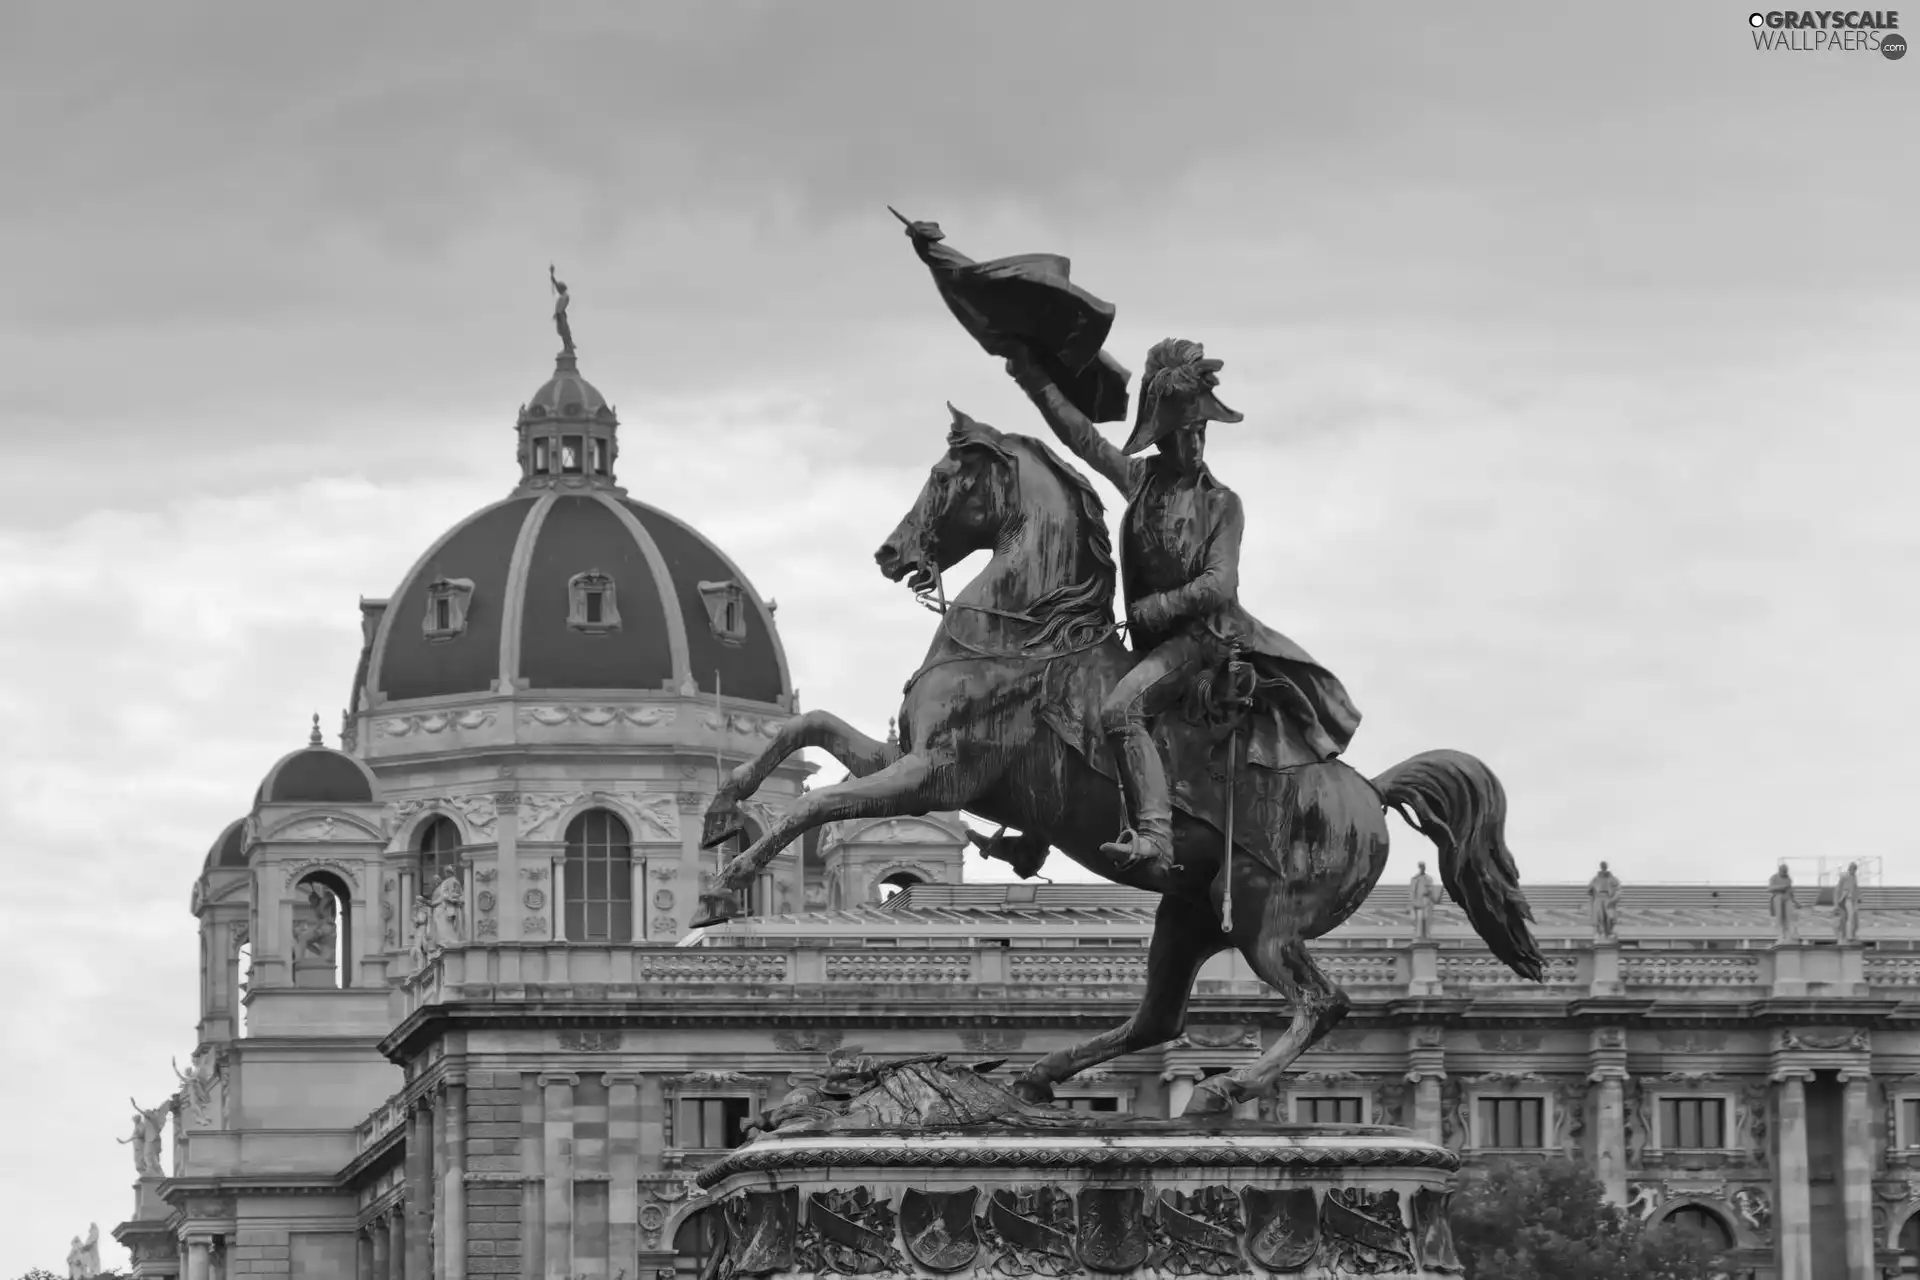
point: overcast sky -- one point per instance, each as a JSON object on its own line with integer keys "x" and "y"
{"x": 1575, "y": 347}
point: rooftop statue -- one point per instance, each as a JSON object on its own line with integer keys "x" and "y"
{"x": 1238, "y": 806}
{"x": 560, "y": 300}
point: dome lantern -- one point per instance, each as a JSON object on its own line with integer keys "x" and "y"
{"x": 567, "y": 429}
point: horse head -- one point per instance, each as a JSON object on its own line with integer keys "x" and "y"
{"x": 1011, "y": 495}
{"x": 962, "y": 508}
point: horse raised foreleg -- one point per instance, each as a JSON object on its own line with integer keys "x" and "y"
{"x": 910, "y": 785}
{"x": 1184, "y": 935}
{"x": 860, "y": 754}
{"x": 1318, "y": 1005}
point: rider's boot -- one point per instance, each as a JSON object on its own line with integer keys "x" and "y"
{"x": 1143, "y": 783}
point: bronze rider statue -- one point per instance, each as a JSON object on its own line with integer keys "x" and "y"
{"x": 1180, "y": 575}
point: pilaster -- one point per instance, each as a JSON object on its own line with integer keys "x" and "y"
{"x": 507, "y": 882}
{"x": 557, "y": 1138}
{"x": 623, "y": 1164}
{"x": 380, "y": 1240}
{"x": 1426, "y": 1072}
{"x": 419, "y": 1201}
{"x": 451, "y": 1260}
{"x": 1607, "y": 1069}
{"x": 1793, "y": 1227}
{"x": 1856, "y": 1168}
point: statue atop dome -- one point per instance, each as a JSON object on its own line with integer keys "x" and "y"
{"x": 560, "y": 300}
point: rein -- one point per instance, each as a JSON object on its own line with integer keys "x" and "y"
{"x": 974, "y": 653}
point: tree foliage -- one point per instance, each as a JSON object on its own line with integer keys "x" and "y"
{"x": 1522, "y": 1221}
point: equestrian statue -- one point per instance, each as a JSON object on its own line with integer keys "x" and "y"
{"x": 1203, "y": 761}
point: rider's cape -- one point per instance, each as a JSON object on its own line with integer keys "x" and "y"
{"x": 1030, "y": 299}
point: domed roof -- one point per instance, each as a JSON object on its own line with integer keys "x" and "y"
{"x": 567, "y": 395}
{"x": 229, "y": 849}
{"x": 570, "y": 584}
{"x": 674, "y": 610}
{"x": 316, "y": 774}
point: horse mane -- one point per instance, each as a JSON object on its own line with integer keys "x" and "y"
{"x": 1077, "y": 613}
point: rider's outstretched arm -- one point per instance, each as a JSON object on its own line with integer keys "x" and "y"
{"x": 1079, "y": 435}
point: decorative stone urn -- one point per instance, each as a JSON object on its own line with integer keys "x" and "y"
{"x": 934, "y": 1170}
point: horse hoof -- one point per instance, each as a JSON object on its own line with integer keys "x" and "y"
{"x": 719, "y": 833}
{"x": 1209, "y": 1099}
{"x": 1035, "y": 1093}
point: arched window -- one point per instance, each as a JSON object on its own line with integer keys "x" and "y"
{"x": 599, "y": 879}
{"x": 322, "y": 932}
{"x": 1910, "y": 1246}
{"x": 1701, "y": 1222}
{"x": 439, "y": 845}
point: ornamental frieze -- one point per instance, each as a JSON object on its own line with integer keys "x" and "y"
{"x": 439, "y": 722}
{"x": 642, "y": 717}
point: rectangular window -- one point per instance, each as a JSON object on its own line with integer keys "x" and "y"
{"x": 1910, "y": 1121}
{"x": 540, "y": 448}
{"x": 594, "y": 617}
{"x": 1105, "y": 1103}
{"x": 1326, "y": 1110}
{"x": 1693, "y": 1124}
{"x": 570, "y": 455}
{"x": 711, "y": 1124}
{"x": 599, "y": 453}
{"x": 1512, "y": 1124}
{"x": 443, "y": 614}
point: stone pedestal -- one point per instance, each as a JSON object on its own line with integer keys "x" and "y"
{"x": 1424, "y": 971}
{"x": 1606, "y": 970}
{"x": 1127, "y": 1198}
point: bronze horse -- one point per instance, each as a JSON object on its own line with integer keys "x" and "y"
{"x": 1035, "y": 628}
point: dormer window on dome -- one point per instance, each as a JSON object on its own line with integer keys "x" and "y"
{"x": 447, "y": 601}
{"x": 726, "y": 610}
{"x": 591, "y": 606}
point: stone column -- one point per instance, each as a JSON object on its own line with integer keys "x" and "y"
{"x": 623, "y": 1166}
{"x": 379, "y": 1236}
{"x": 558, "y": 1141}
{"x": 363, "y": 1255}
{"x": 396, "y": 1244}
{"x": 419, "y": 1204}
{"x": 1856, "y": 1169}
{"x": 452, "y": 1254}
{"x": 1793, "y": 1225}
{"x": 199, "y": 1259}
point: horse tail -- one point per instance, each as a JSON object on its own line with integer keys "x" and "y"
{"x": 1455, "y": 801}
